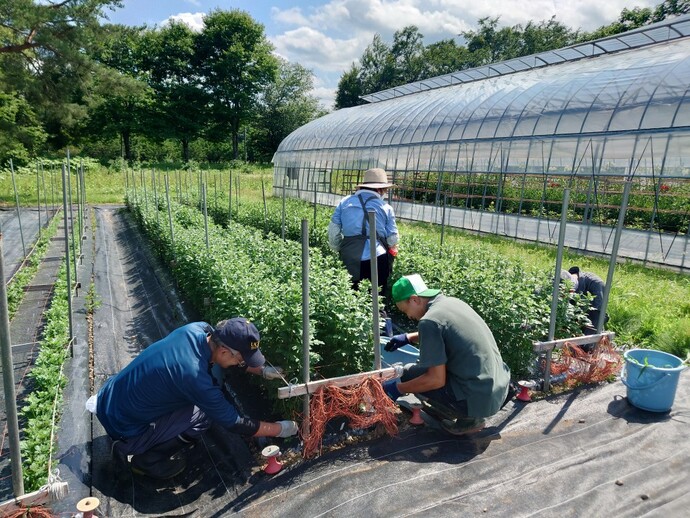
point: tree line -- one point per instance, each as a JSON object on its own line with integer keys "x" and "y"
{"x": 407, "y": 59}
{"x": 68, "y": 79}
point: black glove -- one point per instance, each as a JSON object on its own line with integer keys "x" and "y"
{"x": 396, "y": 342}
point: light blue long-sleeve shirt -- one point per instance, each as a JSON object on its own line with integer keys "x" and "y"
{"x": 347, "y": 221}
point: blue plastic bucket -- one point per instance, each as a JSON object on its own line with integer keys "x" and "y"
{"x": 652, "y": 378}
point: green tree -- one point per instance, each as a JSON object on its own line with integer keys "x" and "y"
{"x": 235, "y": 63}
{"x": 377, "y": 69}
{"x": 20, "y": 130}
{"x": 407, "y": 54}
{"x": 167, "y": 56}
{"x": 43, "y": 52}
{"x": 350, "y": 89}
{"x": 542, "y": 36}
{"x": 629, "y": 19}
{"x": 670, "y": 8}
{"x": 489, "y": 44}
{"x": 285, "y": 105}
{"x": 120, "y": 102}
{"x": 444, "y": 57}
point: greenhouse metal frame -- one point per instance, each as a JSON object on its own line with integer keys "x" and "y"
{"x": 492, "y": 149}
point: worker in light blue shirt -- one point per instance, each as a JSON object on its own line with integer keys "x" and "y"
{"x": 348, "y": 231}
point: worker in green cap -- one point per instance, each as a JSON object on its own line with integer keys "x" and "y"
{"x": 460, "y": 367}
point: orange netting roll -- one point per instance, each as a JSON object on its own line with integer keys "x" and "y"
{"x": 583, "y": 367}
{"x": 364, "y": 405}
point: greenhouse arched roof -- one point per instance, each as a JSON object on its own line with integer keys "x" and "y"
{"x": 613, "y": 104}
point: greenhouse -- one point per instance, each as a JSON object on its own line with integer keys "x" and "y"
{"x": 493, "y": 149}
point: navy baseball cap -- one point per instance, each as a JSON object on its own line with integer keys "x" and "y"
{"x": 242, "y": 336}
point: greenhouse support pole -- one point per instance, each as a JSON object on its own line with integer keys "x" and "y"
{"x": 443, "y": 225}
{"x": 155, "y": 196}
{"x": 71, "y": 219}
{"x": 556, "y": 284}
{"x": 67, "y": 260}
{"x": 230, "y": 199}
{"x": 45, "y": 192}
{"x": 143, "y": 185}
{"x": 282, "y": 216}
{"x": 134, "y": 188}
{"x": 203, "y": 201}
{"x": 374, "y": 289}
{"x": 314, "y": 224}
{"x": 237, "y": 194}
{"x": 586, "y": 217}
{"x": 80, "y": 199}
{"x": 305, "y": 323}
{"x": 8, "y": 384}
{"x": 614, "y": 254}
{"x": 38, "y": 200}
{"x": 215, "y": 191}
{"x": 80, "y": 211}
{"x": 16, "y": 199}
{"x": 83, "y": 192}
{"x": 263, "y": 196}
{"x": 170, "y": 222}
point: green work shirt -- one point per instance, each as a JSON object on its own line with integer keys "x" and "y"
{"x": 451, "y": 333}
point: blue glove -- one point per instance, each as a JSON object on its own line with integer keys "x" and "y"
{"x": 390, "y": 387}
{"x": 396, "y": 342}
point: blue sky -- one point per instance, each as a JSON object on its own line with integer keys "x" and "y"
{"x": 326, "y": 36}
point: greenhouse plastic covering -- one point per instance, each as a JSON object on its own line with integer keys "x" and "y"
{"x": 616, "y": 106}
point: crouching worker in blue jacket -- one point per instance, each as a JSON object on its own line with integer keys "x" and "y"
{"x": 167, "y": 397}
{"x": 460, "y": 369}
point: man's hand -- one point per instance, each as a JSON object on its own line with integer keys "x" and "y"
{"x": 396, "y": 342}
{"x": 287, "y": 428}
{"x": 272, "y": 373}
{"x": 390, "y": 387}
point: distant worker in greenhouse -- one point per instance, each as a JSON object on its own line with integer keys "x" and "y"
{"x": 588, "y": 283}
{"x": 163, "y": 401}
{"x": 460, "y": 369}
{"x": 348, "y": 231}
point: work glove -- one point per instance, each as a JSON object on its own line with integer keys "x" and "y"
{"x": 287, "y": 429}
{"x": 272, "y": 373}
{"x": 390, "y": 387}
{"x": 396, "y": 342}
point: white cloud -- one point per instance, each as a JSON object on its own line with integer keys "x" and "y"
{"x": 194, "y": 21}
{"x": 313, "y": 49}
{"x": 195, "y": 3}
{"x": 325, "y": 96}
{"x": 292, "y": 16}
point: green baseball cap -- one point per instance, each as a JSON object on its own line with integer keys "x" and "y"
{"x": 409, "y": 285}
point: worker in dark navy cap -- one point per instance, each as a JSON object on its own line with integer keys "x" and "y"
{"x": 167, "y": 396}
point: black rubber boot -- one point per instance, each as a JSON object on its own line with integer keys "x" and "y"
{"x": 157, "y": 462}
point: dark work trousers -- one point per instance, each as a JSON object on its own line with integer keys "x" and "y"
{"x": 383, "y": 265}
{"x": 190, "y": 422}
{"x": 443, "y": 395}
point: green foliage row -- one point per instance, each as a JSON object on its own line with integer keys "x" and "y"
{"x": 48, "y": 382}
{"x": 244, "y": 273}
{"x": 660, "y": 204}
{"x": 15, "y": 289}
{"x": 514, "y": 301}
